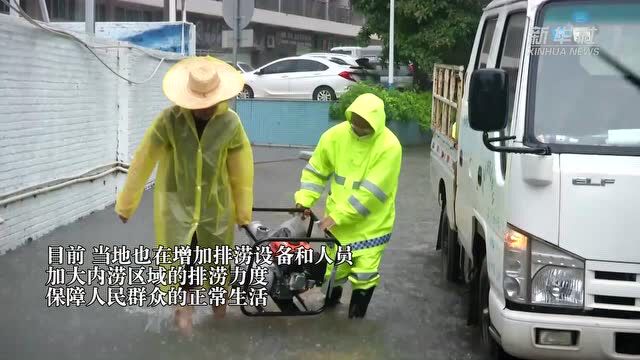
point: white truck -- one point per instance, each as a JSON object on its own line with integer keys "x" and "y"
{"x": 535, "y": 162}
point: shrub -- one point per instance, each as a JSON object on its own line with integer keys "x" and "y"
{"x": 403, "y": 106}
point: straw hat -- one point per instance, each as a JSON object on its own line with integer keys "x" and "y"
{"x": 201, "y": 82}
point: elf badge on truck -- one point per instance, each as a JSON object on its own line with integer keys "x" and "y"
{"x": 535, "y": 161}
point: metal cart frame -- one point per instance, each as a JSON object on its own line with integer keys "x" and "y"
{"x": 330, "y": 239}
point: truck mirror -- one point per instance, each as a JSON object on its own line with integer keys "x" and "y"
{"x": 488, "y": 95}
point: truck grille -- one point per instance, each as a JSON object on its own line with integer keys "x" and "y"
{"x": 612, "y": 286}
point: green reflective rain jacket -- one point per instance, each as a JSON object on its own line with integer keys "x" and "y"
{"x": 363, "y": 175}
{"x": 202, "y": 185}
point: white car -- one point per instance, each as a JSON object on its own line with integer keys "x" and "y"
{"x": 300, "y": 78}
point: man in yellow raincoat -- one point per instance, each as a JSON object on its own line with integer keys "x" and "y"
{"x": 360, "y": 159}
{"x": 204, "y": 181}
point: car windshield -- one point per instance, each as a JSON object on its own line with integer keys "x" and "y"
{"x": 245, "y": 67}
{"x": 585, "y": 66}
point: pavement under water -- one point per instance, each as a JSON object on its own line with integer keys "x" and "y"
{"x": 414, "y": 313}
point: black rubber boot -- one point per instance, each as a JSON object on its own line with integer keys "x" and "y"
{"x": 360, "y": 302}
{"x": 334, "y": 299}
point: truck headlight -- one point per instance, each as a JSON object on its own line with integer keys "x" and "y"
{"x": 558, "y": 276}
{"x": 536, "y": 272}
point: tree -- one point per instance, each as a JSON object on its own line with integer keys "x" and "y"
{"x": 426, "y": 31}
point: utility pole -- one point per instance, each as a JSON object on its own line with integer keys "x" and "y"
{"x": 170, "y": 7}
{"x": 43, "y": 11}
{"x": 391, "y": 41}
{"x": 236, "y": 33}
{"x": 89, "y": 17}
{"x": 184, "y": 20}
{"x": 12, "y": 11}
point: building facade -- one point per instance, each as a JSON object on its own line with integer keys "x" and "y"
{"x": 279, "y": 28}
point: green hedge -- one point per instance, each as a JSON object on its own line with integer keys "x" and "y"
{"x": 403, "y": 106}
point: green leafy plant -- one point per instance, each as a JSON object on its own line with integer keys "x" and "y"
{"x": 403, "y": 106}
{"x": 426, "y": 31}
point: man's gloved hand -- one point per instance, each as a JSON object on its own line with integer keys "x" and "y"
{"x": 327, "y": 223}
{"x": 305, "y": 213}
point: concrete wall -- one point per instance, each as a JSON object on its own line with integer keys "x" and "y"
{"x": 62, "y": 113}
{"x": 300, "y": 123}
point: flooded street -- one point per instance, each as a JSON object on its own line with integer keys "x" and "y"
{"x": 413, "y": 314}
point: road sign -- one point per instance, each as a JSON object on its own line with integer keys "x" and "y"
{"x": 237, "y": 14}
{"x": 245, "y": 12}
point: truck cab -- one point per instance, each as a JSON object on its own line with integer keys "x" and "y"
{"x": 535, "y": 162}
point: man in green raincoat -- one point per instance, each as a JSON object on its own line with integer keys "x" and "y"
{"x": 204, "y": 181}
{"x": 360, "y": 159}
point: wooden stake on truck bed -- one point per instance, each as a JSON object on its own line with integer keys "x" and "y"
{"x": 448, "y": 83}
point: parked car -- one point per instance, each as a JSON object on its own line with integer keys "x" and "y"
{"x": 371, "y": 52}
{"x": 402, "y": 77}
{"x": 300, "y": 77}
{"x": 364, "y": 69}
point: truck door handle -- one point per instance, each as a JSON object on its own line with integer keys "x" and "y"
{"x": 479, "y": 176}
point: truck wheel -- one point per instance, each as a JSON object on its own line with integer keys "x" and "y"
{"x": 494, "y": 350}
{"x": 450, "y": 250}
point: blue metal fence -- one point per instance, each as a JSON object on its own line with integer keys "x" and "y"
{"x": 300, "y": 123}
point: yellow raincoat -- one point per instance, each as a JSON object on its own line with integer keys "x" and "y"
{"x": 202, "y": 185}
{"x": 363, "y": 174}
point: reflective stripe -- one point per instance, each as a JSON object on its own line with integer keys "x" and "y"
{"x": 339, "y": 179}
{"x": 340, "y": 281}
{"x": 356, "y": 185}
{"x": 358, "y": 206}
{"x": 370, "y": 243}
{"x": 375, "y": 190}
{"x": 364, "y": 276}
{"x": 311, "y": 186}
{"x": 310, "y": 167}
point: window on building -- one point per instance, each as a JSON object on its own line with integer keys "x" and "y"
{"x": 101, "y": 12}
{"x": 119, "y": 13}
{"x": 64, "y": 10}
{"x": 133, "y": 15}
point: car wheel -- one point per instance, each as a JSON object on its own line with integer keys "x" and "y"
{"x": 324, "y": 93}
{"x": 450, "y": 250}
{"x": 246, "y": 93}
{"x": 493, "y": 349}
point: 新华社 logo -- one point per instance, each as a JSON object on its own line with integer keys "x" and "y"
{"x": 566, "y": 39}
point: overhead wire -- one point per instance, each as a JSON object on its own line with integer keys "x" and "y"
{"x": 66, "y": 34}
